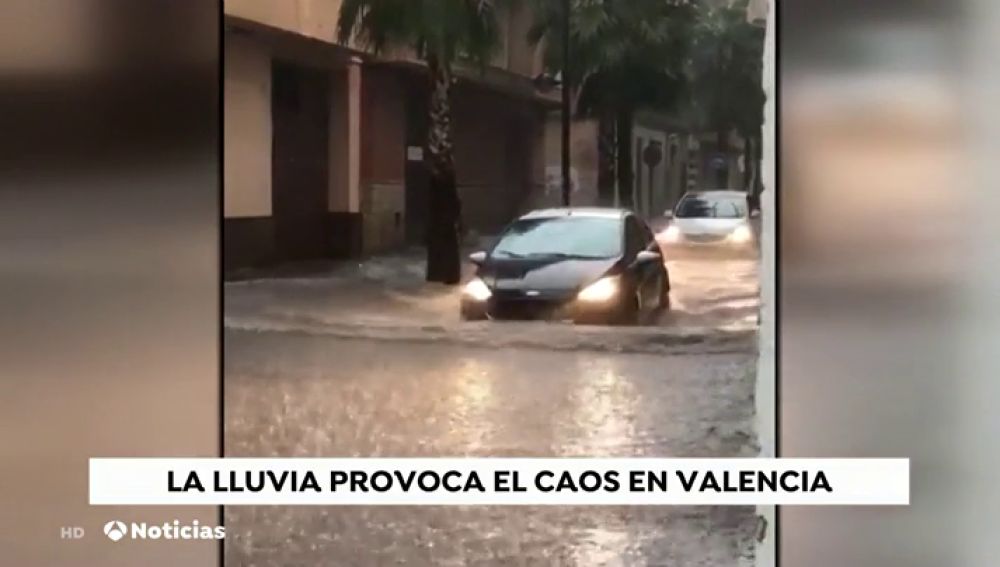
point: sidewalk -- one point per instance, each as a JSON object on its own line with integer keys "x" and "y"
{"x": 384, "y": 289}
{"x": 386, "y": 298}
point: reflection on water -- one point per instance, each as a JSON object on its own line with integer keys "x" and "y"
{"x": 601, "y": 423}
{"x": 288, "y": 394}
{"x": 600, "y": 546}
{"x": 471, "y": 403}
{"x": 602, "y": 411}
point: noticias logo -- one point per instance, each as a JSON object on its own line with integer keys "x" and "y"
{"x": 116, "y": 530}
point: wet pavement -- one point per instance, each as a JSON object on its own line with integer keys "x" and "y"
{"x": 714, "y": 292}
{"x": 299, "y": 391}
{"x": 297, "y": 395}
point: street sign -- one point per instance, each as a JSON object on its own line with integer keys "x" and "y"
{"x": 653, "y": 154}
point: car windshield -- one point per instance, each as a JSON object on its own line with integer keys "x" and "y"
{"x": 572, "y": 237}
{"x": 702, "y": 207}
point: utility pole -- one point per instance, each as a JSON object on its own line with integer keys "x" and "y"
{"x": 566, "y": 178}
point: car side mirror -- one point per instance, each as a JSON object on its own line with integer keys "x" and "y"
{"x": 478, "y": 258}
{"x": 669, "y": 214}
{"x": 647, "y": 256}
{"x": 755, "y": 214}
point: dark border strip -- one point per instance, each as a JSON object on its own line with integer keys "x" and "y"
{"x": 775, "y": 6}
{"x": 220, "y": 211}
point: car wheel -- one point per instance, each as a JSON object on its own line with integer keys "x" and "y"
{"x": 664, "y": 295}
{"x": 469, "y": 313}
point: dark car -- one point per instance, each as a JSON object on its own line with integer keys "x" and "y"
{"x": 587, "y": 265}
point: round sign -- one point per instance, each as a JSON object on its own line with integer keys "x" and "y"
{"x": 653, "y": 154}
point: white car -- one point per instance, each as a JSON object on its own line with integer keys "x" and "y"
{"x": 710, "y": 218}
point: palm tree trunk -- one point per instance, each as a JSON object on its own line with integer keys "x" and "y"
{"x": 626, "y": 174}
{"x": 444, "y": 207}
{"x": 758, "y": 182}
{"x": 748, "y": 164}
{"x": 722, "y": 149}
{"x": 606, "y": 159}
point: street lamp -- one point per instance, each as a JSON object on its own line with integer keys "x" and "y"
{"x": 566, "y": 106}
{"x": 545, "y": 82}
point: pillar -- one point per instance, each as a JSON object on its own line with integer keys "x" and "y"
{"x": 346, "y": 224}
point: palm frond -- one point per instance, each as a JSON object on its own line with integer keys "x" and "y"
{"x": 624, "y": 52}
{"x": 446, "y": 29}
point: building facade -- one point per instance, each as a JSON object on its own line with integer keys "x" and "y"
{"x": 323, "y": 143}
{"x": 670, "y": 157}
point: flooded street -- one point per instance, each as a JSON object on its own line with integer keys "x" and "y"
{"x": 389, "y": 292}
{"x": 372, "y": 363}
{"x": 293, "y": 395}
{"x": 713, "y": 292}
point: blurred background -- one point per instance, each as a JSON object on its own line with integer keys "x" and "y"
{"x": 109, "y": 314}
{"x": 888, "y": 278}
{"x": 109, "y": 188}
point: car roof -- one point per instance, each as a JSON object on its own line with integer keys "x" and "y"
{"x": 591, "y": 212}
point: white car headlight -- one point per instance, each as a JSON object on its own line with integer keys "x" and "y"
{"x": 672, "y": 234}
{"x": 601, "y": 290}
{"x": 477, "y": 290}
{"x": 741, "y": 235}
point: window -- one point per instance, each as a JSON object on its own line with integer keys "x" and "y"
{"x": 575, "y": 237}
{"x": 635, "y": 239}
{"x": 647, "y": 235}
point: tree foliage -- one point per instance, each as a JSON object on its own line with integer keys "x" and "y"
{"x": 702, "y": 60}
{"x": 623, "y": 52}
{"x": 624, "y": 55}
{"x": 446, "y": 30}
{"x": 726, "y": 68}
{"x": 725, "y": 71}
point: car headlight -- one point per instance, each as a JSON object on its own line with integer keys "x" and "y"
{"x": 741, "y": 235}
{"x": 672, "y": 234}
{"x": 477, "y": 290}
{"x": 601, "y": 290}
